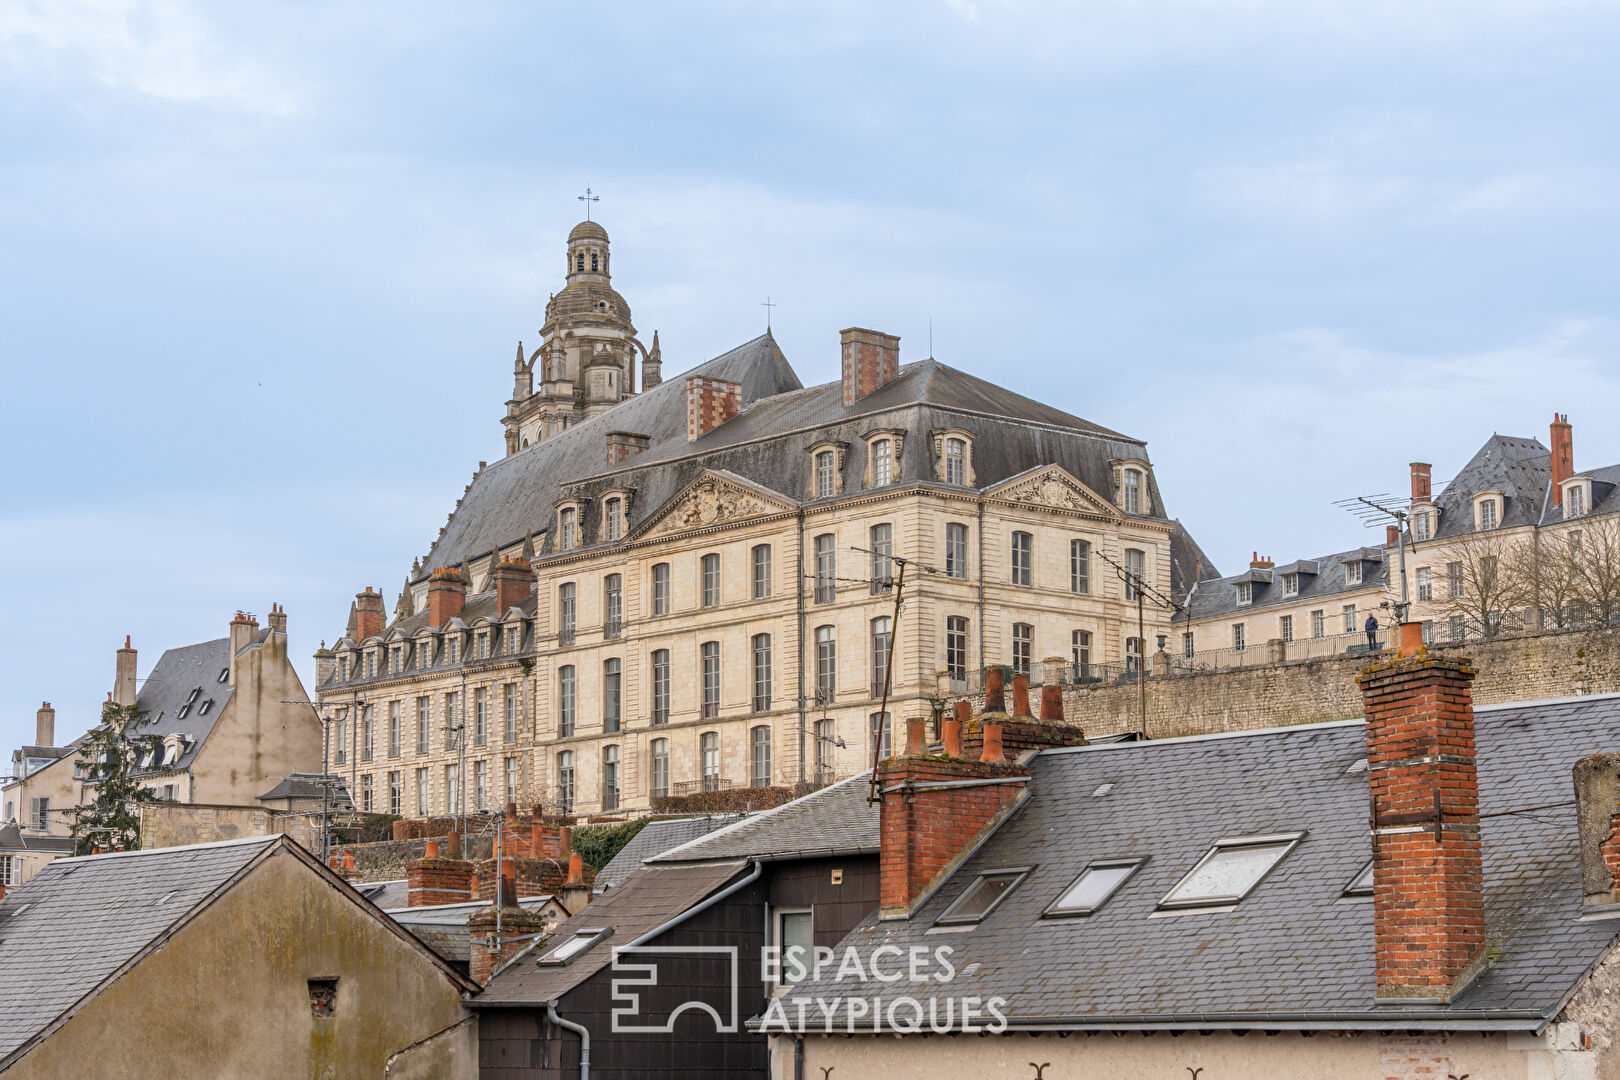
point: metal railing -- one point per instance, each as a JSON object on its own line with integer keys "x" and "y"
{"x": 708, "y": 783}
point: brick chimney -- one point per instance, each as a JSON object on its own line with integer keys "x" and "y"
{"x": 1420, "y": 481}
{"x": 576, "y": 891}
{"x": 447, "y": 595}
{"x": 514, "y": 581}
{"x": 502, "y": 930}
{"x": 1392, "y": 535}
{"x": 710, "y": 403}
{"x": 1428, "y": 893}
{"x": 871, "y": 359}
{"x": 434, "y": 879}
{"x": 278, "y": 618}
{"x": 124, "y": 675}
{"x": 370, "y": 613}
{"x": 1257, "y": 563}
{"x": 623, "y": 445}
{"x": 1597, "y": 811}
{"x": 45, "y": 725}
{"x": 1562, "y": 437}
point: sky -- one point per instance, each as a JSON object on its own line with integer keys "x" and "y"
{"x": 263, "y": 268}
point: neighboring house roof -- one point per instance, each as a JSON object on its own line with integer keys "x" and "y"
{"x": 655, "y": 838}
{"x": 645, "y": 901}
{"x": 163, "y": 696}
{"x": 307, "y": 786}
{"x": 836, "y": 820}
{"x": 1519, "y": 468}
{"x": 1217, "y": 597}
{"x": 1294, "y": 950}
{"x": 443, "y": 927}
{"x": 13, "y": 840}
{"x": 388, "y": 895}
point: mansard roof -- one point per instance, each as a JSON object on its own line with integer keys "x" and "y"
{"x": 1519, "y": 468}
{"x": 1218, "y": 596}
{"x": 162, "y": 697}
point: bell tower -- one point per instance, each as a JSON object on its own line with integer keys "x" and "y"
{"x": 586, "y": 360}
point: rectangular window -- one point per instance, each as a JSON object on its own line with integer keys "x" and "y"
{"x": 8, "y": 871}
{"x": 567, "y": 611}
{"x": 826, "y": 568}
{"x": 366, "y": 793}
{"x": 1352, "y": 573}
{"x": 424, "y": 653}
{"x": 39, "y": 813}
{"x": 826, "y": 475}
{"x": 340, "y": 741}
{"x": 1575, "y": 502}
{"x": 709, "y": 749}
{"x": 1318, "y": 624}
{"x": 1428, "y": 631}
{"x": 422, "y": 808}
{"x": 1023, "y": 558}
{"x": 660, "y": 687}
{"x": 882, "y": 547}
{"x": 613, "y": 605}
{"x": 1245, "y": 592}
{"x": 1487, "y": 513}
{"x": 1023, "y": 647}
{"x": 1136, "y": 572}
{"x": 881, "y": 732}
{"x": 480, "y": 716}
{"x": 1349, "y": 613}
{"x": 1290, "y": 584}
{"x": 660, "y": 588}
{"x": 1285, "y": 627}
{"x": 761, "y": 571}
{"x": 710, "y": 652}
{"x": 882, "y": 462}
{"x": 613, "y": 519}
{"x": 1240, "y": 637}
{"x": 824, "y": 748}
{"x": 452, "y": 790}
{"x": 882, "y": 642}
{"x": 1133, "y": 491}
{"x": 1230, "y": 871}
{"x": 612, "y": 681}
{"x": 610, "y": 778}
{"x": 759, "y": 747}
{"x": 569, "y": 521}
{"x": 566, "y": 700}
{"x": 956, "y": 554}
{"x": 1188, "y": 649}
{"x": 509, "y": 768}
{"x": 509, "y": 695}
{"x": 1454, "y": 578}
{"x": 711, "y": 580}
{"x": 1133, "y": 655}
{"x": 423, "y": 726}
{"x": 1420, "y": 527}
{"x": 956, "y": 646}
{"x": 1425, "y": 586}
{"x": 826, "y": 664}
{"x": 1458, "y": 629}
{"x": 1080, "y": 647}
{"x": 956, "y": 461}
{"x": 394, "y": 725}
{"x": 396, "y": 794}
{"x": 1080, "y": 566}
{"x": 660, "y": 768}
{"x": 366, "y": 734}
{"x": 796, "y": 938}
{"x": 1093, "y": 888}
{"x": 481, "y": 784}
{"x": 565, "y": 782}
{"x": 981, "y": 897}
{"x": 762, "y": 673}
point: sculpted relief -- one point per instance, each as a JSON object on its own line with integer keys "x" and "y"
{"x": 710, "y": 502}
{"x": 1052, "y": 488}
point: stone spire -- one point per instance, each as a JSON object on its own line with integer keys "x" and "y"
{"x": 652, "y": 369}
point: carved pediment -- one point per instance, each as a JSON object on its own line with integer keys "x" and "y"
{"x": 1055, "y": 487}
{"x": 712, "y": 499}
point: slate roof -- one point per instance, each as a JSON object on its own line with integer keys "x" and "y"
{"x": 836, "y": 820}
{"x": 645, "y": 901}
{"x": 1217, "y": 597}
{"x": 655, "y": 838}
{"x": 443, "y": 927}
{"x": 1294, "y": 950}
{"x": 1520, "y": 468}
{"x": 13, "y": 839}
{"x": 163, "y": 695}
{"x": 78, "y": 922}
{"x": 308, "y": 786}
{"x": 388, "y": 895}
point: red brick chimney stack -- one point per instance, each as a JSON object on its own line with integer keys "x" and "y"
{"x": 1420, "y": 481}
{"x": 434, "y": 880}
{"x": 1428, "y": 894}
{"x": 369, "y": 614}
{"x": 514, "y": 581}
{"x": 1392, "y": 535}
{"x": 624, "y": 445}
{"x": 871, "y": 359}
{"x": 447, "y": 595}
{"x": 498, "y": 935}
{"x": 710, "y": 403}
{"x": 1563, "y": 455}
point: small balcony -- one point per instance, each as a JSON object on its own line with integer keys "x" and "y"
{"x": 708, "y": 783}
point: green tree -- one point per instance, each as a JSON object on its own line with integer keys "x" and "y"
{"x": 112, "y": 753}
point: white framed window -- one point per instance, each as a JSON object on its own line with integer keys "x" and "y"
{"x": 711, "y": 580}
{"x": 956, "y": 550}
{"x": 422, "y": 794}
{"x": 826, "y": 663}
{"x": 1188, "y": 649}
{"x": 613, "y": 605}
{"x": 759, "y": 751}
{"x": 565, "y": 782}
{"x": 1133, "y": 491}
{"x": 956, "y": 646}
{"x": 1425, "y": 584}
{"x": 567, "y": 529}
{"x": 1290, "y": 584}
{"x": 1458, "y": 629}
{"x": 509, "y": 770}
{"x": 566, "y": 700}
{"x": 882, "y": 462}
{"x": 567, "y": 612}
{"x": 612, "y": 685}
{"x": 660, "y": 588}
{"x": 659, "y": 785}
{"x": 1285, "y": 627}
{"x": 1245, "y": 592}
{"x": 882, "y": 733}
{"x": 1422, "y": 526}
{"x": 956, "y": 461}
{"x": 826, "y": 474}
{"x": 881, "y": 545}
{"x": 573, "y": 946}
{"x": 762, "y": 672}
{"x": 1487, "y": 512}
{"x": 709, "y": 653}
{"x": 1352, "y": 572}
{"x": 610, "y": 777}
{"x": 882, "y": 643}
{"x": 1023, "y": 647}
{"x": 709, "y": 758}
{"x": 1574, "y": 501}
{"x": 660, "y": 687}
{"x": 481, "y": 784}
{"x": 1318, "y": 624}
{"x": 1240, "y": 636}
{"x": 1023, "y": 558}
{"x": 612, "y": 519}
{"x": 1080, "y": 566}
{"x": 826, "y": 568}
{"x": 1093, "y": 888}
{"x": 761, "y": 562}
{"x": 1135, "y": 572}
{"x": 1230, "y": 870}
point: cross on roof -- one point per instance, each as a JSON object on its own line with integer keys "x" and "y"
{"x": 767, "y": 305}
{"x": 587, "y": 199}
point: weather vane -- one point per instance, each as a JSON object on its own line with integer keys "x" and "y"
{"x": 587, "y": 199}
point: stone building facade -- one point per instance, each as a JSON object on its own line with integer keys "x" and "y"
{"x": 696, "y": 588}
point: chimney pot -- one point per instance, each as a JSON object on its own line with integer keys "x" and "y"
{"x": 576, "y": 871}
{"x": 995, "y": 696}
{"x": 953, "y": 738}
{"x": 916, "y": 735}
{"x": 1020, "y": 695}
{"x": 992, "y": 753}
{"x": 432, "y": 851}
{"x": 1052, "y": 702}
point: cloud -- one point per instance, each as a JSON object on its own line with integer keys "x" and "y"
{"x": 159, "y": 48}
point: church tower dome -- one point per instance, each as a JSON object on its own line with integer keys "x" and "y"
{"x": 588, "y": 253}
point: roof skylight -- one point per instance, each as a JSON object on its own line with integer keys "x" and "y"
{"x": 1362, "y": 885}
{"x": 1092, "y": 889}
{"x": 981, "y": 897}
{"x": 1230, "y": 870}
{"x": 582, "y": 940}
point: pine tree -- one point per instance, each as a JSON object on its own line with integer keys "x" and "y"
{"x": 112, "y": 753}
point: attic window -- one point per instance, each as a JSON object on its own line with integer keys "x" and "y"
{"x": 224, "y": 674}
{"x": 193, "y": 695}
{"x": 181, "y": 715}
{"x": 1245, "y": 592}
{"x": 982, "y": 897}
{"x": 202, "y": 710}
{"x": 1230, "y": 870}
{"x": 1094, "y": 887}
{"x": 1362, "y": 885}
{"x": 1290, "y": 584}
{"x": 574, "y": 946}
{"x": 1352, "y": 572}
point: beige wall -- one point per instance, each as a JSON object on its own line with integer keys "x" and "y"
{"x": 1213, "y": 636}
{"x": 1218, "y": 1056}
{"x": 228, "y": 994}
{"x": 55, "y": 782}
{"x": 918, "y": 518}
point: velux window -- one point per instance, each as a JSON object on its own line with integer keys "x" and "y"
{"x": 1363, "y": 883}
{"x": 1230, "y": 870}
{"x": 1096, "y": 884}
{"x": 582, "y": 940}
{"x": 981, "y": 898}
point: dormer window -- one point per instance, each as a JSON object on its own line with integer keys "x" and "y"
{"x": 825, "y": 475}
{"x": 1290, "y": 584}
{"x": 1352, "y": 572}
{"x": 567, "y": 527}
{"x": 1245, "y": 592}
{"x": 1577, "y": 497}
{"x": 1487, "y": 510}
{"x": 955, "y": 456}
{"x": 953, "y": 452}
{"x": 1423, "y": 526}
{"x": 1133, "y": 491}
{"x": 882, "y": 462}
{"x": 826, "y": 469}
{"x": 612, "y": 519}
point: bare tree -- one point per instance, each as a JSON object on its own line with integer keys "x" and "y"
{"x": 1549, "y": 571}
{"x": 1593, "y": 550}
{"x": 1486, "y": 582}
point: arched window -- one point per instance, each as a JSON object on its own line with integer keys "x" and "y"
{"x": 610, "y": 777}
{"x": 1133, "y": 491}
{"x": 709, "y": 749}
{"x": 660, "y": 588}
{"x": 565, "y": 782}
{"x": 882, "y": 462}
{"x": 711, "y": 580}
{"x": 593, "y": 261}
{"x": 660, "y": 687}
{"x": 882, "y": 643}
{"x": 762, "y": 673}
{"x": 579, "y": 263}
{"x": 709, "y": 652}
{"x": 570, "y": 530}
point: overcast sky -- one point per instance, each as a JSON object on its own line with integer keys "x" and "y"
{"x": 263, "y": 267}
